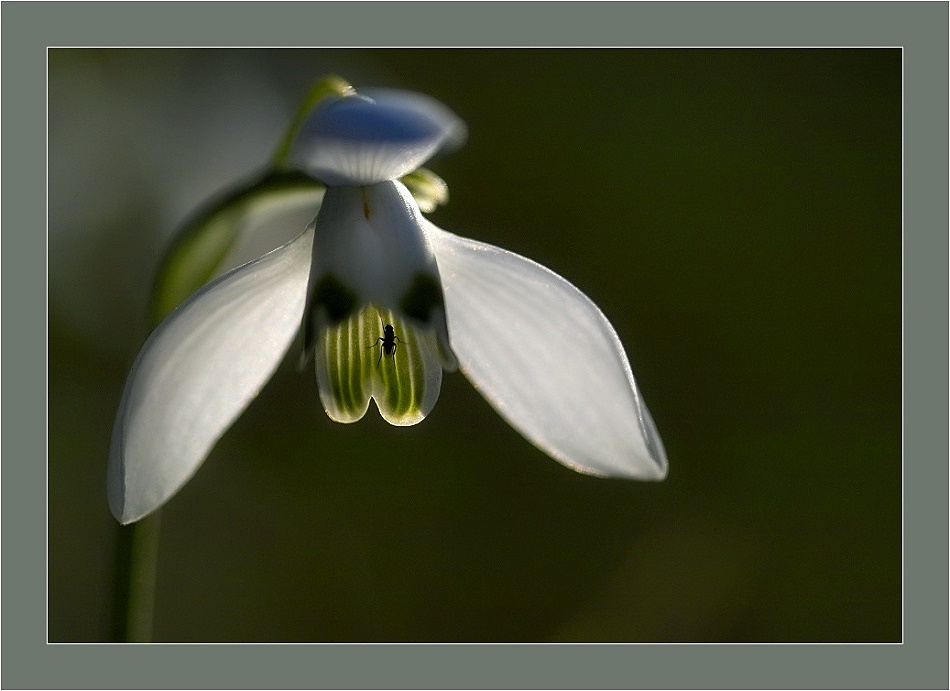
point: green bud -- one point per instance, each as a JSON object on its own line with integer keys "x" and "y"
{"x": 427, "y": 188}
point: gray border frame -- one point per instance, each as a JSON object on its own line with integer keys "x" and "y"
{"x": 918, "y": 27}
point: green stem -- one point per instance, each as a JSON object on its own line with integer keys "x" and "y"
{"x": 135, "y": 576}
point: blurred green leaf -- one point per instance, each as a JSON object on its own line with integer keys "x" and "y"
{"x": 204, "y": 240}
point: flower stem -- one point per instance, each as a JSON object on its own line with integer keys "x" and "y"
{"x": 135, "y": 570}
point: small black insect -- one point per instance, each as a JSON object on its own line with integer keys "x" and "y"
{"x": 388, "y": 345}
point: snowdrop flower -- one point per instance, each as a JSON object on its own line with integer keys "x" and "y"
{"x": 386, "y": 301}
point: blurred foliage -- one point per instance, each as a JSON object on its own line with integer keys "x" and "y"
{"x": 735, "y": 213}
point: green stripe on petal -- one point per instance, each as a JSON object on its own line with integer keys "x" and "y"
{"x": 356, "y": 361}
{"x": 408, "y": 380}
{"x": 344, "y": 387}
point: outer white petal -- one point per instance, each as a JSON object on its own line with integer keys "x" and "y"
{"x": 354, "y": 140}
{"x": 198, "y": 371}
{"x": 546, "y": 358}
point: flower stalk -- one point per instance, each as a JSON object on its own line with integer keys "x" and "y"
{"x": 136, "y": 568}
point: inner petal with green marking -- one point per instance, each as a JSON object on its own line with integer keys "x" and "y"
{"x": 374, "y": 353}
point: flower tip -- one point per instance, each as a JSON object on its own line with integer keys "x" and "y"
{"x": 123, "y": 509}
{"x": 654, "y": 446}
{"x": 660, "y": 471}
{"x": 115, "y": 483}
{"x": 124, "y": 519}
{"x": 120, "y": 508}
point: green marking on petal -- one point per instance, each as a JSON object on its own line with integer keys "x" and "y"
{"x": 344, "y": 390}
{"x": 359, "y": 358}
{"x": 334, "y": 297}
{"x": 423, "y": 296}
{"x": 331, "y": 303}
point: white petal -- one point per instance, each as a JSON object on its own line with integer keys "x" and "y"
{"x": 371, "y": 248}
{"x": 546, "y": 358}
{"x": 355, "y": 140}
{"x": 372, "y": 240}
{"x": 271, "y": 222}
{"x": 198, "y": 371}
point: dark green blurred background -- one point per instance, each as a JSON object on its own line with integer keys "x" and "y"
{"x": 735, "y": 213}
